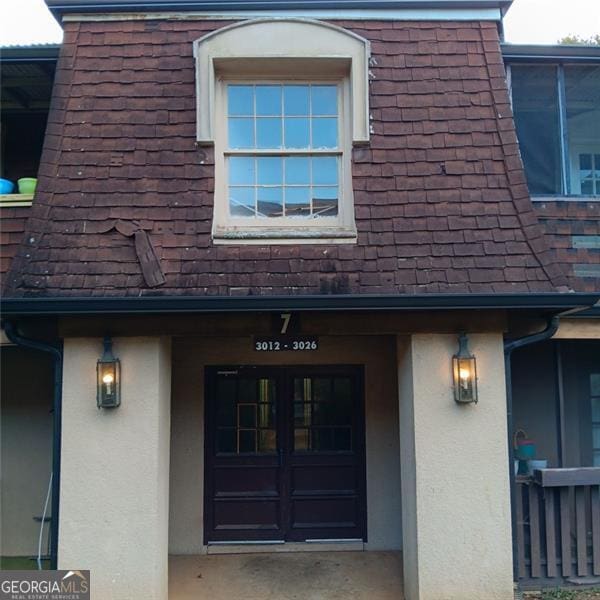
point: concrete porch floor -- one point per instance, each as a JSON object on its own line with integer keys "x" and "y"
{"x": 287, "y": 576}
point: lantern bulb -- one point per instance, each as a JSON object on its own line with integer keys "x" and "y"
{"x": 108, "y": 378}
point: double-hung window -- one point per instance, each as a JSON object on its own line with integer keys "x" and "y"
{"x": 283, "y": 152}
{"x": 283, "y": 101}
{"x": 285, "y": 161}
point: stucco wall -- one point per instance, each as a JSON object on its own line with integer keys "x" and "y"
{"x": 25, "y": 448}
{"x": 115, "y": 470}
{"x": 190, "y": 356}
{"x": 457, "y": 543}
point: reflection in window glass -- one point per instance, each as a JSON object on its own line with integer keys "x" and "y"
{"x": 268, "y": 100}
{"x": 274, "y": 186}
{"x": 296, "y": 100}
{"x": 323, "y": 414}
{"x": 535, "y": 107}
{"x": 240, "y": 100}
{"x": 582, "y": 93}
{"x": 245, "y": 415}
{"x": 324, "y": 100}
{"x": 241, "y": 133}
{"x": 279, "y": 118}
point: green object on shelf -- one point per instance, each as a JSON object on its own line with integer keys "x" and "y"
{"x": 27, "y": 185}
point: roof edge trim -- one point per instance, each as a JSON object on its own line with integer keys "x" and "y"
{"x": 61, "y": 7}
{"x": 221, "y": 304}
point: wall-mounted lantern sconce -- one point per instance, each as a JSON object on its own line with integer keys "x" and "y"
{"x": 108, "y": 370}
{"x": 465, "y": 373}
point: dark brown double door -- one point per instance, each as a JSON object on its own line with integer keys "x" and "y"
{"x": 285, "y": 454}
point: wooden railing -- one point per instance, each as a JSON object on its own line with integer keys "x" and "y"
{"x": 558, "y": 524}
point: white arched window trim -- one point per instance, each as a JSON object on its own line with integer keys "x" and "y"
{"x": 274, "y": 47}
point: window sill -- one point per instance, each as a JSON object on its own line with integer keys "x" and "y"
{"x": 324, "y": 235}
{"x": 559, "y": 198}
{"x": 7, "y": 200}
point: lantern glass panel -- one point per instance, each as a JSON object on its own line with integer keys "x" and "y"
{"x": 465, "y": 379}
{"x": 108, "y": 383}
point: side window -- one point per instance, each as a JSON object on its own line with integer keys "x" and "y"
{"x": 557, "y": 116}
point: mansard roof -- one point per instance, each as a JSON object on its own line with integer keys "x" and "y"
{"x": 440, "y": 196}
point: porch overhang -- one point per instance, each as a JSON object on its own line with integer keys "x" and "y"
{"x": 14, "y": 307}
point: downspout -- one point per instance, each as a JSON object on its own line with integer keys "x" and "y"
{"x": 56, "y": 350}
{"x": 509, "y": 346}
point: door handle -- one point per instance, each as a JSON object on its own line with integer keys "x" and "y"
{"x": 280, "y": 456}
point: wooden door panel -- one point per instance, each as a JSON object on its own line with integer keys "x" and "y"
{"x": 323, "y": 479}
{"x": 285, "y": 456}
{"x": 233, "y": 516}
{"x": 243, "y": 466}
{"x": 243, "y": 480}
{"x": 325, "y": 513}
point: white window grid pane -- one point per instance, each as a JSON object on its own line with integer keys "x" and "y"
{"x": 284, "y": 152}
{"x": 311, "y": 116}
{"x": 285, "y": 186}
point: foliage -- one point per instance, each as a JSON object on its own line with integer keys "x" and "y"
{"x": 563, "y": 594}
{"x": 577, "y": 40}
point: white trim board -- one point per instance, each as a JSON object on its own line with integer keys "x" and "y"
{"x": 482, "y": 14}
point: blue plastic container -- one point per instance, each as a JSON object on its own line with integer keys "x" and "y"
{"x": 6, "y": 186}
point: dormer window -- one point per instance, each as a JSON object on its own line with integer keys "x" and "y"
{"x": 283, "y": 128}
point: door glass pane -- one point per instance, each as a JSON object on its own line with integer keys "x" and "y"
{"x": 266, "y": 415}
{"x": 247, "y": 440}
{"x": 245, "y": 415}
{"x": 247, "y": 390}
{"x": 324, "y": 422}
{"x": 321, "y": 389}
{"x": 535, "y": 107}
{"x": 302, "y": 414}
{"x": 302, "y": 389}
{"x": 267, "y": 441}
{"x": 301, "y": 439}
{"x": 225, "y": 393}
